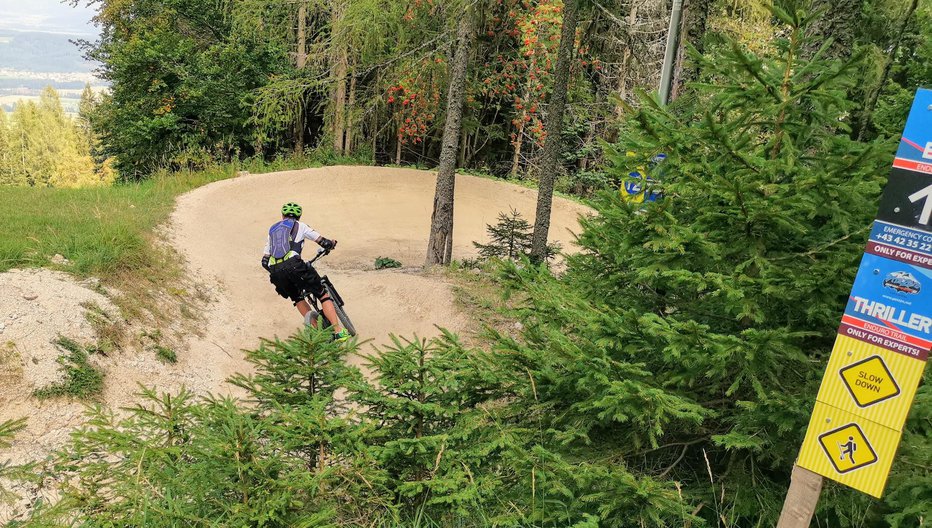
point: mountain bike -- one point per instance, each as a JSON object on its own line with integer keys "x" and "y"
{"x": 316, "y": 310}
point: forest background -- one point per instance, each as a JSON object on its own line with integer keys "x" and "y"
{"x": 197, "y": 83}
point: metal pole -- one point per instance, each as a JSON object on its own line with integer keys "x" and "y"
{"x": 666, "y": 75}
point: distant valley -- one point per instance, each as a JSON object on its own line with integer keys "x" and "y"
{"x": 32, "y": 60}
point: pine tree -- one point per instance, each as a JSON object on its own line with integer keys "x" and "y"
{"x": 422, "y": 393}
{"x": 6, "y": 151}
{"x": 295, "y": 455}
{"x": 41, "y": 146}
{"x": 510, "y": 238}
{"x": 553, "y": 144}
{"x": 689, "y": 336}
{"x": 86, "y": 108}
{"x": 176, "y": 460}
{"x": 297, "y": 381}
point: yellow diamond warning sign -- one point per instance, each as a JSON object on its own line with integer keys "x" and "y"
{"x": 869, "y": 381}
{"x": 847, "y": 448}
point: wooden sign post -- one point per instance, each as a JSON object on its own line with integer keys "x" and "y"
{"x": 801, "y": 499}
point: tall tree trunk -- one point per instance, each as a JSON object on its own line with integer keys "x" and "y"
{"x": 440, "y": 245}
{"x": 626, "y": 60}
{"x": 692, "y": 29}
{"x": 553, "y": 124}
{"x": 375, "y": 137}
{"x": 398, "y": 149}
{"x": 300, "y": 62}
{"x": 583, "y": 162}
{"x": 867, "y": 113}
{"x": 350, "y": 112}
{"x": 522, "y": 122}
{"x": 519, "y": 142}
{"x": 593, "y": 132}
{"x": 339, "y": 93}
{"x": 464, "y": 142}
{"x": 375, "y": 126}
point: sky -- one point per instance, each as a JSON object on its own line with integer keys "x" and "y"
{"x": 46, "y": 15}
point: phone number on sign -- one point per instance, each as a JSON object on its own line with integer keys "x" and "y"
{"x": 904, "y": 242}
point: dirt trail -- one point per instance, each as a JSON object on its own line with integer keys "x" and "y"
{"x": 372, "y": 212}
{"x": 220, "y": 230}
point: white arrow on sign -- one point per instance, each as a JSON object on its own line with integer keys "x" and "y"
{"x": 927, "y": 207}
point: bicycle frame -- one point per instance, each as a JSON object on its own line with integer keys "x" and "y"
{"x": 312, "y": 300}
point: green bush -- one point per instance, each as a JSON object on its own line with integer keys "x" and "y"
{"x": 386, "y": 263}
{"x": 431, "y": 440}
{"x": 441, "y": 435}
{"x": 9, "y": 472}
{"x": 688, "y": 338}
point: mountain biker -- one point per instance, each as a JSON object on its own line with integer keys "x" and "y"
{"x": 290, "y": 274}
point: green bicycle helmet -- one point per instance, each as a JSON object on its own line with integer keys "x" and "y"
{"x": 291, "y": 209}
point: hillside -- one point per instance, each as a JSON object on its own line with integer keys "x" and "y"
{"x": 33, "y": 51}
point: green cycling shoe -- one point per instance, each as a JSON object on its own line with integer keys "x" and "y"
{"x": 342, "y": 335}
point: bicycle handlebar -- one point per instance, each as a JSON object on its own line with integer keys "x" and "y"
{"x": 321, "y": 252}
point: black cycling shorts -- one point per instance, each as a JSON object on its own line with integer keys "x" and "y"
{"x": 295, "y": 276}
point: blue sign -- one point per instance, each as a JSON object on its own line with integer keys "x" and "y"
{"x": 915, "y": 150}
{"x": 638, "y": 188}
{"x": 893, "y": 295}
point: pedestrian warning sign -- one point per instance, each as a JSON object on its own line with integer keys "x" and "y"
{"x": 869, "y": 381}
{"x": 847, "y": 448}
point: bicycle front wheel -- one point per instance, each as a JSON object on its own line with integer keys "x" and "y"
{"x": 341, "y": 313}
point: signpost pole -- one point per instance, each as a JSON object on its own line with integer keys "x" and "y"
{"x": 801, "y": 499}
{"x": 669, "y": 57}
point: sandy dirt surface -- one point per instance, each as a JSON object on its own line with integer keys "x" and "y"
{"x": 372, "y": 212}
{"x": 220, "y": 230}
{"x": 36, "y": 307}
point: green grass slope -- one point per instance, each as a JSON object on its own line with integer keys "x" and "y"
{"x": 103, "y": 231}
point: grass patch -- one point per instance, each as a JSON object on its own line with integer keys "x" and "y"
{"x": 105, "y": 231}
{"x": 8, "y": 430}
{"x": 477, "y": 293}
{"x": 166, "y": 354}
{"x": 110, "y": 332}
{"x": 163, "y": 353}
{"x": 81, "y": 379}
{"x": 102, "y": 231}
